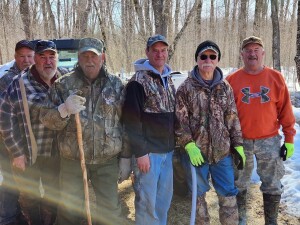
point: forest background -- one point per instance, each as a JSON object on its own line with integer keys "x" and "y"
{"x": 125, "y": 26}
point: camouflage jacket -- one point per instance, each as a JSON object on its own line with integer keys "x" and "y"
{"x": 208, "y": 116}
{"x": 100, "y": 121}
{"x": 148, "y": 114}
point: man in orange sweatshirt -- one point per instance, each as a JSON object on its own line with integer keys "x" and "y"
{"x": 263, "y": 104}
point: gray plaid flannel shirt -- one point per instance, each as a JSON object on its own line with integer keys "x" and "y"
{"x": 13, "y": 125}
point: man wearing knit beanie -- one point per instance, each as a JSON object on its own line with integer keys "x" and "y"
{"x": 207, "y": 127}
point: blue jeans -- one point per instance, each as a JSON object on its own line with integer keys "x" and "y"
{"x": 9, "y": 206}
{"x": 222, "y": 176}
{"x": 154, "y": 190}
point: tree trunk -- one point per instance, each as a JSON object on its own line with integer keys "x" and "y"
{"x": 257, "y": 18}
{"x": 140, "y": 16}
{"x": 53, "y": 29}
{"x": 212, "y": 26}
{"x": 159, "y": 17}
{"x": 24, "y": 11}
{"x": 297, "y": 57}
{"x": 187, "y": 21}
{"x": 242, "y": 25}
{"x": 276, "y": 35}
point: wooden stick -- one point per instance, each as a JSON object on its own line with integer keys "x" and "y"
{"x": 83, "y": 167}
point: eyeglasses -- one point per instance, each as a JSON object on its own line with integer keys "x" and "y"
{"x": 42, "y": 45}
{"x": 204, "y": 57}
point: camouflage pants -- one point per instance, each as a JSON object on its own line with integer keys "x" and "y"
{"x": 270, "y": 167}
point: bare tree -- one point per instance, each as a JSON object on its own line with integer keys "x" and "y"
{"x": 257, "y": 17}
{"x": 139, "y": 12}
{"x": 297, "y": 57}
{"x": 242, "y": 24}
{"x": 187, "y": 21}
{"x": 159, "y": 17}
{"x": 212, "y": 26}
{"x": 276, "y": 35}
{"x": 24, "y": 11}
{"x": 53, "y": 29}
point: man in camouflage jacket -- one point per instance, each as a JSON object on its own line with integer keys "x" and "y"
{"x": 207, "y": 127}
{"x": 97, "y": 95}
{"x": 148, "y": 116}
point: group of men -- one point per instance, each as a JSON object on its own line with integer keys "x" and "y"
{"x": 219, "y": 123}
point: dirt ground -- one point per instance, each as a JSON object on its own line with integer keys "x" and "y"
{"x": 179, "y": 213}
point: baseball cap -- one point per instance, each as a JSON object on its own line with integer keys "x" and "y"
{"x": 24, "y": 44}
{"x": 252, "y": 40}
{"x": 208, "y": 45}
{"x": 44, "y": 45}
{"x": 156, "y": 38}
{"x": 90, "y": 44}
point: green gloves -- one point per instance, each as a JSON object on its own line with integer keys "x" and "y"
{"x": 287, "y": 150}
{"x": 194, "y": 154}
{"x": 240, "y": 160}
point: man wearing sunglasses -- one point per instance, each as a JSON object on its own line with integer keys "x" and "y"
{"x": 207, "y": 127}
{"x": 263, "y": 104}
{"x": 32, "y": 146}
{"x": 24, "y": 54}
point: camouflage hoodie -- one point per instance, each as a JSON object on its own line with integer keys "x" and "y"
{"x": 148, "y": 112}
{"x": 207, "y": 114}
{"x": 100, "y": 121}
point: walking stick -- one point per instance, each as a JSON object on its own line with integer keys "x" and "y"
{"x": 83, "y": 167}
{"x": 194, "y": 195}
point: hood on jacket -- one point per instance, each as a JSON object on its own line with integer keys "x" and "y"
{"x": 144, "y": 64}
{"x": 217, "y": 78}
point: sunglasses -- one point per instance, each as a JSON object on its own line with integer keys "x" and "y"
{"x": 204, "y": 57}
{"x": 42, "y": 45}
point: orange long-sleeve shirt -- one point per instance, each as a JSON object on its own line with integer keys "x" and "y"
{"x": 263, "y": 104}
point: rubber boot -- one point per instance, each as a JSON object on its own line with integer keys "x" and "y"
{"x": 271, "y": 206}
{"x": 241, "y": 199}
{"x": 228, "y": 211}
{"x": 202, "y": 216}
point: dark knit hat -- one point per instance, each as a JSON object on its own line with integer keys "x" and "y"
{"x": 208, "y": 45}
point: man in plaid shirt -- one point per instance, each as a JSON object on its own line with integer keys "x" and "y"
{"x": 9, "y": 195}
{"x": 15, "y": 131}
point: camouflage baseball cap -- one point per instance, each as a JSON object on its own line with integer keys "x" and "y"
{"x": 252, "y": 40}
{"x": 90, "y": 44}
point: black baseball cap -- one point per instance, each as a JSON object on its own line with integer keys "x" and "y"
{"x": 44, "y": 45}
{"x": 24, "y": 44}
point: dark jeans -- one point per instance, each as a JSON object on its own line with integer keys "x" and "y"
{"x": 34, "y": 206}
{"x": 9, "y": 206}
{"x": 103, "y": 178}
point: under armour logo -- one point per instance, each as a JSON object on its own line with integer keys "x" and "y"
{"x": 262, "y": 94}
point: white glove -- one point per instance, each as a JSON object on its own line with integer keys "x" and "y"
{"x": 73, "y": 104}
{"x": 124, "y": 169}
